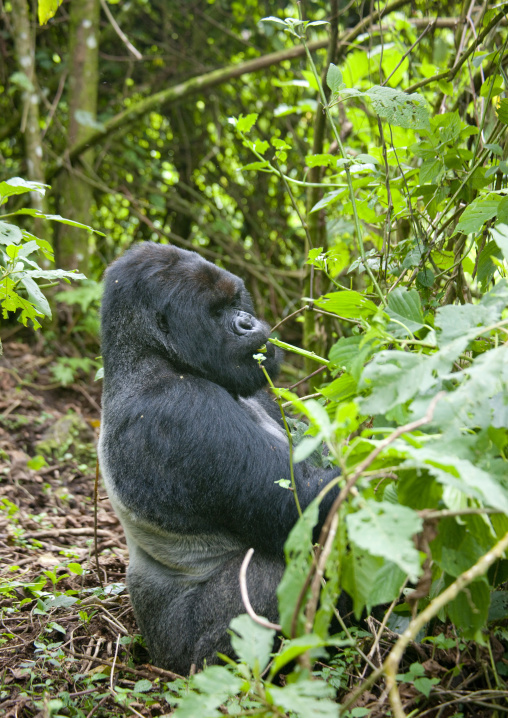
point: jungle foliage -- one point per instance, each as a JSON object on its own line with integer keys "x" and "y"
{"x": 352, "y": 165}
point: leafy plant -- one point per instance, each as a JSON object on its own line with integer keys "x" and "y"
{"x": 414, "y": 413}
{"x": 19, "y": 290}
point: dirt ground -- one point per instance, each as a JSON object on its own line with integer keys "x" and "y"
{"x": 49, "y": 649}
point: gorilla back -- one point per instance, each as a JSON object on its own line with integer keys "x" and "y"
{"x": 190, "y": 450}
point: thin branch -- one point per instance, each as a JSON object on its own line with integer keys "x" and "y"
{"x": 123, "y": 37}
{"x": 204, "y": 82}
{"x": 392, "y": 662}
{"x": 245, "y": 595}
{"x": 330, "y": 525}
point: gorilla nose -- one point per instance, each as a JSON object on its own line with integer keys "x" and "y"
{"x": 244, "y": 323}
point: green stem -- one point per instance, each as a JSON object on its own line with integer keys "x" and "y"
{"x": 336, "y": 135}
{"x": 290, "y": 438}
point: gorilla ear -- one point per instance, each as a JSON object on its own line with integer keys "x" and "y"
{"x": 162, "y": 322}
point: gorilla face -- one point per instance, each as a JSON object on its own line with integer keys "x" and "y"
{"x": 196, "y": 315}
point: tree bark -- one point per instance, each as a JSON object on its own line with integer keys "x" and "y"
{"x": 75, "y": 196}
{"x": 25, "y": 52}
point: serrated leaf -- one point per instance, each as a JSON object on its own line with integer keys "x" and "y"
{"x": 341, "y": 389}
{"x": 320, "y": 160}
{"x": 9, "y": 233}
{"x": 430, "y": 170}
{"x": 460, "y": 474}
{"x": 387, "y": 530}
{"x": 370, "y": 580}
{"x": 349, "y": 304}
{"x": 245, "y": 124}
{"x": 476, "y": 214}
{"x": 252, "y": 643}
{"x": 345, "y": 351}
{"x": 399, "y": 108}
{"x": 305, "y": 698}
{"x": 502, "y": 110}
{"x": 218, "y": 681}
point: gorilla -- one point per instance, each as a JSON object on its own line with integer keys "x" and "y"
{"x": 191, "y": 450}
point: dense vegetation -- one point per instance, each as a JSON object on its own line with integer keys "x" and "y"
{"x": 351, "y": 165}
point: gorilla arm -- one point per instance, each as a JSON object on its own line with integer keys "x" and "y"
{"x": 196, "y": 461}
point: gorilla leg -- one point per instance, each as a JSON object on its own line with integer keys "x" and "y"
{"x": 186, "y": 623}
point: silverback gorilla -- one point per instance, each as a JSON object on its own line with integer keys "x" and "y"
{"x": 191, "y": 448}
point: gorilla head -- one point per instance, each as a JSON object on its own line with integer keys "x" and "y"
{"x": 196, "y": 315}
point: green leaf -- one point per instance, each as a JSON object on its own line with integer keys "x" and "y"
{"x": 405, "y": 307}
{"x": 329, "y": 198}
{"x": 216, "y": 684}
{"x": 469, "y": 610}
{"x": 502, "y": 111}
{"x": 252, "y": 643}
{"x": 298, "y": 561}
{"x": 340, "y": 389}
{"x": 36, "y": 296}
{"x": 75, "y": 568}
{"x": 9, "y": 233}
{"x": 274, "y": 20}
{"x": 305, "y": 698}
{"x": 261, "y": 165}
{"x": 424, "y": 684}
{"x": 344, "y": 352}
{"x": 195, "y": 704}
{"x": 47, "y": 9}
{"x": 460, "y": 474}
{"x": 430, "y": 170}
{"x": 399, "y": 108}
{"x": 426, "y": 277}
{"x": 476, "y": 214}
{"x": 245, "y": 124}
{"x": 320, "y": 160}
{"x": 499, "y": 234}
{"x": 387, "y": 530}
{"x": 334, "y": 78}
{"x": 347, "y": 304}
{"x": 217, "y": 681}
{"x": 370, "y": 580}
{"x": 17, "y": 185}
{"x": 305, "y": 448}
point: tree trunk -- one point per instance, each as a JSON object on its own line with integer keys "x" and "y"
{"x": 75, "y": 195}
{"x": 25, "y": 52}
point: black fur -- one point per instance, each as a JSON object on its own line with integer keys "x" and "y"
{"x": 190, "y": 450}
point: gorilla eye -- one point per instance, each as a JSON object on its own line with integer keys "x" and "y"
{"x": 216, "y": 310}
